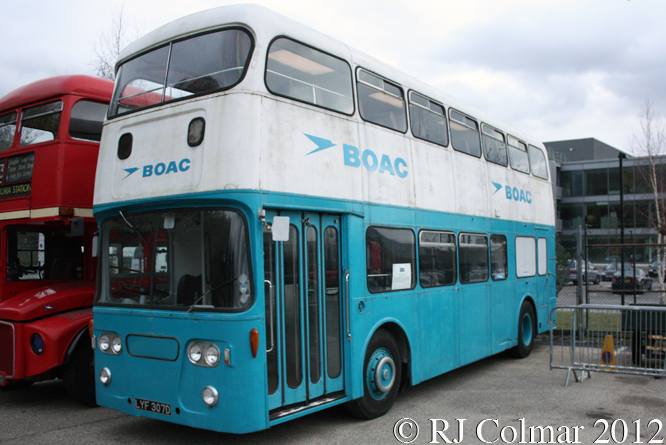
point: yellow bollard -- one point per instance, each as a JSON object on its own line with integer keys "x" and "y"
{"x": 608, "y": 352}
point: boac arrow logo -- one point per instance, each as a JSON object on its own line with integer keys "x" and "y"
{"x": 514, "y": 193}
{"x": 354, "y": 158}
{"x": 160, "y": 168}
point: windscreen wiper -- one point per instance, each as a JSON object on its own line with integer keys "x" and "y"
{"x": 133, "y": 228}
{"x": 212, "y": 289}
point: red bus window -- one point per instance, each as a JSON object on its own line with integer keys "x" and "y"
{"x": 40, "y": 123}
{"x": 7, "y": 130}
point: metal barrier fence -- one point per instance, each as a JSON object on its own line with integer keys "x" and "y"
{"x": 608, "y": 338}
{"x": 622, "y": 274}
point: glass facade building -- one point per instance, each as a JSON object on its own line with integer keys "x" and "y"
{"x": 587, "y": 192}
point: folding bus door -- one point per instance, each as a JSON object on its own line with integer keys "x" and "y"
{"x": 303, "y": 309}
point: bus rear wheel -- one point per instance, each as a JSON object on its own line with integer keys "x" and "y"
{"x": 526, "y": 331}
{"x": 382, "y": 370}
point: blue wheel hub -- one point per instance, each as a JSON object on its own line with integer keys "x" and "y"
{"x": 380, "y": 373}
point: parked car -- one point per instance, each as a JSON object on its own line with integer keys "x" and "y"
{"x": 609, "y": 271}
{"x": 637, "y": 281}
{"x": 653, "y": 269}
{"x": 589, "y": 272}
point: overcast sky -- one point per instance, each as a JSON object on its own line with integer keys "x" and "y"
{"x": 557, "y": 69}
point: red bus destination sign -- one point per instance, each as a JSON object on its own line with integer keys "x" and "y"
{"x": 17, "y": 169}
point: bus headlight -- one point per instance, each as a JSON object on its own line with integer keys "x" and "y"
{"x": 194, "y": 353}
{"x": 105, "y": 376}
{"x": 210, "y": 396}
{"x": 110, "y": 343}
{"x": 117, "y": 345}
{"x": 212, "y": 355}
{"x": 104, "y": 343}
{"x": 37, "y": 343}
{"x": 203, "y": 354}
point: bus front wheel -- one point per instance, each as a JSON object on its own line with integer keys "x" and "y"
{"x": 79, "y": 375}
{"x": 526, "y": 331}
{"x": 382, "y": 370}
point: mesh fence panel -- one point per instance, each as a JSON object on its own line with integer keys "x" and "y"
{"x": 611, "y": 274}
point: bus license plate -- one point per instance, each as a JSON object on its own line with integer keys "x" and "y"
{"x": 153, "y": 407}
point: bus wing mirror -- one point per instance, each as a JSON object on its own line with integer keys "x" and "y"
{"x": 280, "y": 228}
{"x": 77, "y": 227}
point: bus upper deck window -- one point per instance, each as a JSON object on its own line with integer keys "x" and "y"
{"x": 86, "y": 119}
{"x": 465, "y": 134}
{"x": 428, "y": 120}
{"x": 494, "y": 145}
{"x": 381, "y": 102}
{"x": 309, "y": 75}
{"x": 40, "y": 123}
{"x": 538, "y": 162}
{"x": 197, "y": 65}
{"x": 518, "y": 155}
{"x": 7, "y": 130}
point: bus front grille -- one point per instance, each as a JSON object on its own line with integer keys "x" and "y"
{"x": 7, "y": 349}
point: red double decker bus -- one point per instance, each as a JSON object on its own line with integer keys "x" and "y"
{"x": 49, "y": 140}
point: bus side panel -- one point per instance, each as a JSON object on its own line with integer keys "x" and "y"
{"x": 503, "y": 300}
{"x": 291, "y": 141}
{"x": 474, "y": 334}
{"x": 438, "y": 326}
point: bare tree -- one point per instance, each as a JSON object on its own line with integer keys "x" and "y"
{"x": 649, "y": 142}
{"x": 111, "y": 41}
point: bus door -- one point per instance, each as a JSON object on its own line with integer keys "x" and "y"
{"x": 303, "y": 309}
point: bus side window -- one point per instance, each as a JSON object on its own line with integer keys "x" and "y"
{"x": 518, "y": 155}
{"x": 309, "y": 75}
{"x": 465, "y": 134}
{"x": 437, "y": 259}
{"x": 498, "y": 260}
{"x": 473, "y": 257}
{"x": 381, "y": 102}
{"x": 525, "y": 256}
{"x": 40, "y": 123}
{"x": 542, "y": 254}
{"x": 538, "y": 162}
{"x": 428, "y": 120}
{"x": 391, "y": 259}
{"x": 494, "y": 145}
{"x": 7, "y": 130}
{"x": 86, "y": 119}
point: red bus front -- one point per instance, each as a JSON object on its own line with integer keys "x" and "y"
{"x": 49, "y": 140}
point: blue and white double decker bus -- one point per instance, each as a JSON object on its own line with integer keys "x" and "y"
{"x": 288, "y": 224}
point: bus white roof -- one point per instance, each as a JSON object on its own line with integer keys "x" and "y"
{"x": 267, "y": 24}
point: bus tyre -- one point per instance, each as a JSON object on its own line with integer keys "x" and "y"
{"x": 382, "y": 369}
{"x": 526, "y": 331}
{"x": 79, "y": 375}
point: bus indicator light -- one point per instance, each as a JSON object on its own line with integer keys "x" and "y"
{"x": 254, "y": 341}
